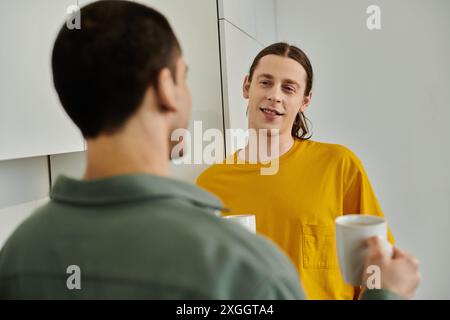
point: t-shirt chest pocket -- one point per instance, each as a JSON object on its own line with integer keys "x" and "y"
{"x": 319, "y": 247}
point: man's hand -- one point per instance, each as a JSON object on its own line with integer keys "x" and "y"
{"x": 399, "y": 273}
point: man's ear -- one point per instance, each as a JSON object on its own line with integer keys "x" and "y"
{"x": 166, "y": 91}
{"x": 246, "y": 87}
{"x": 306, "y": 102}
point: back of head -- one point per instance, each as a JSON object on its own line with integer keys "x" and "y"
{"x": 102, "y": 70}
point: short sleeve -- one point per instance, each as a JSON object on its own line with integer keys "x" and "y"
{"x": 358, "y": 194}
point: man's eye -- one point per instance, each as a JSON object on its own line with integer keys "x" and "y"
{"x": 264, "y": 83}
{"x": 289, "y": 89}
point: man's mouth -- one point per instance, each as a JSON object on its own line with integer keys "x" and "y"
{"x": 270, "y": 111}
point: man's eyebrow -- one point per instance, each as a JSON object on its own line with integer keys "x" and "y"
{"x": 292, "y": 82}
{"x": 265, "y": 75}
{"x": 289, "y": 81}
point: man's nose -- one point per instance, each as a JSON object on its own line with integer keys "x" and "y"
{"x": 274, "y": 95}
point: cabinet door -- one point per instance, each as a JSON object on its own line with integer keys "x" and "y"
{"x": 240, "y": 13}
{"x": 238, "y": 52}
{"x": 195, "y": 24}
{"x": 32, "y": 121}
{"x": 256, "y": 18}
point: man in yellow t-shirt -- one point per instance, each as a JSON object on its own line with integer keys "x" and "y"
{"x": 314, "y": 183}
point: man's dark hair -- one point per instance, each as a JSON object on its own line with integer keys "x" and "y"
{"x": 102, "y": 71}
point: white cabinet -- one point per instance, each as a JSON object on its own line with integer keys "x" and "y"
{"x": 256, "y": 18}
{"x": 240, "y": 13}
{"x": 195, "y": 24}
{"x": 71, "y": 164}
{"x": 32, "y": 121}
{"x": 246, "y": 27}
{"x": 23, "y": 180}
{"x": 238, "y": 51}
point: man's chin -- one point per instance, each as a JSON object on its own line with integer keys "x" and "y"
{"x": 268, "y": 130}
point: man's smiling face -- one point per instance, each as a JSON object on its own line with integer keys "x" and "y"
{"x": 275, "y": 93}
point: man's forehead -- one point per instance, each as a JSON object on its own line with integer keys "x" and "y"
{"x": 280, "y": 67}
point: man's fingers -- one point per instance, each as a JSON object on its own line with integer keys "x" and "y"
{"x": 398, "y": 253}
{"x": 374, "y": 241}
{"x": 415, "y": 262}
{"x": 376, "y": 250}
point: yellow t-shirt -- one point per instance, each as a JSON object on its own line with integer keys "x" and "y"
{"x": 296, "y": 207}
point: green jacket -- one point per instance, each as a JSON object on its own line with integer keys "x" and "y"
{"x": 141, "y": 237}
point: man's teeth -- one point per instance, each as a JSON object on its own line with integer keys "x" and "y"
{"x": 269, "y": 111}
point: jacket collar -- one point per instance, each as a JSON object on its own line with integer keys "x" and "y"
{"x": 129, "y": 188}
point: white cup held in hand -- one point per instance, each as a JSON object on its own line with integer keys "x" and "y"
{"x": 352, "y": 231}
{"x": 248, "y": 221}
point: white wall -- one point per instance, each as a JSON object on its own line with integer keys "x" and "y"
{"x": 246, "y": 27}
{"x": 385, "y": 94}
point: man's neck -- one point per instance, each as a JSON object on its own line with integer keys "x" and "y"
{"x": 266, "y": 150}
{"x": 127, "y": 153}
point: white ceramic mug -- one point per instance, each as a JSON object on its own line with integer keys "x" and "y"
{"x": 248, "y": 221}
{"x": 351, "y": 232}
